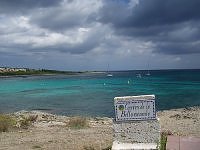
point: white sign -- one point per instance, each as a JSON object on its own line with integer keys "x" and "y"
{"x": 135, "y": 108}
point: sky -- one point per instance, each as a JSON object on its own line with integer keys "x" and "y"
{"x": 90, "y": 34}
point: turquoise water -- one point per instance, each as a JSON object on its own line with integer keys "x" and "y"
{"x": 92, "y": 95}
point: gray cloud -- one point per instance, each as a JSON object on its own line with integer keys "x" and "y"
{"x": 22, "y": 6}
{"x": 150, "y": 13}
{"x": 58, "y": 19}
{"x": 178, "y": 48}
{"x": 63, "y": 28}
{"x": 77, "y": 48}
{"x": 158, "y": 12}
{"x": 122, "y": 32}
{"x": 70, "y": 14}
{"x": 114, "y": 12}
{"x": 169, "y": 24}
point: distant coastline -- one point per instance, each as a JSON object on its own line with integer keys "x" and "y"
{"x": 24, "y": 72}
{"x": 7, "y": 71}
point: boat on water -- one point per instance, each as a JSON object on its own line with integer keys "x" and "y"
{"x": 148, "y": 73}
{"x": 108, "y": 73}
{"x": 138, "y": 75}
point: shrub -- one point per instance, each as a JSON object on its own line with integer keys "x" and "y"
{"x": 88, "y": 148}
{"x": 78, "y": 123}
{"x": 6, "y": 122}
{"x": 32, "y": 118}
{"x": 36, "y": 146}
{"x": 27, "y": 121}
{"x": 107, "y": 148}
{"x": 163, "y": 141}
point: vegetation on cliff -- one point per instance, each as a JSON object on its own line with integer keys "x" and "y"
{"x": 37, "y": 72}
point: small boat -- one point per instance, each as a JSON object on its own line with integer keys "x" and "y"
{"x": 109, "y": 74}
{"x": 148, "y": 73}
{"x": 138, "y": 75}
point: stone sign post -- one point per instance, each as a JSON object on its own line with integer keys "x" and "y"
{"x": 135, "y": 125}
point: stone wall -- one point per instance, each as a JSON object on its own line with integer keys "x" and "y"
{"x": 147, "y": 131}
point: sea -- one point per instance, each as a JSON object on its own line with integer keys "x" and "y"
{"x": 92, "y": 94}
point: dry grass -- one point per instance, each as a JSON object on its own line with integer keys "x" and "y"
{"x": 93, "y": 147}
{"x": 88, "y": 148}
{"x": 6, "y": 123}
{"x": 78, "y": 123}
{"x": 27, "y": 121}
{"x": 36, "y": 147}
{"x": 107, "y": 148}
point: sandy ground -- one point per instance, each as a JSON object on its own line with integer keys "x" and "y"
{"x": 183, "y": 122}
{"x": 50, "y": 132}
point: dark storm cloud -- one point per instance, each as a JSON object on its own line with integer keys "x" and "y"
{"x": 71, "y": 14}
{"x": 58, "y": 19}
{"x": 79, "y": 48}
{"x": 114, "y": 12}
{"x": 172, "y": 25}
{"x": 150, "y": 12}
{"x": 16, "y": 6}
{"x": 178, "y": 48}
{"x": 163, "y": 12}
{"x": 55, "y": 32}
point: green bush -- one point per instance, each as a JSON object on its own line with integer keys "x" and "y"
{"x": 163, "y": 141}
{"x": 6, "y": 122}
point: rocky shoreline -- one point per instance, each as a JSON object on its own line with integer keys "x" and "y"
{"x": 48, "y": 131}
